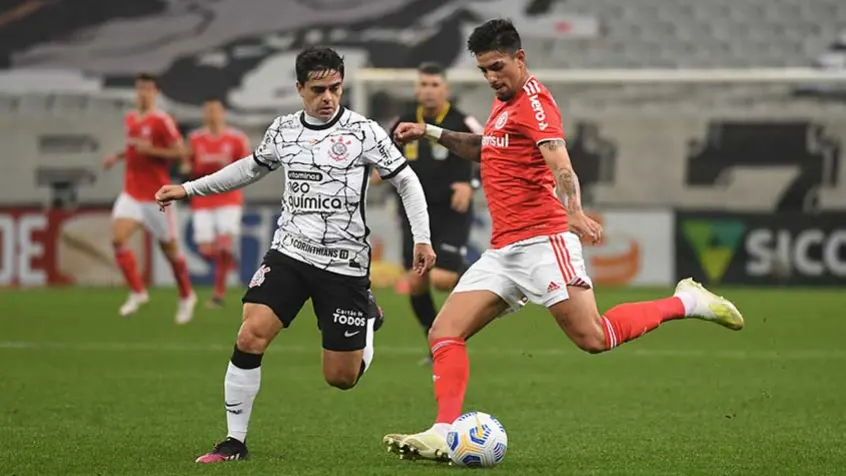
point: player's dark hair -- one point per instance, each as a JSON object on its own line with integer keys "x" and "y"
{"x": 433, "y": 68}
{"x": 318, "y": 60}
{"x": 147, "y": 77}
{"x": 495, "y": 35}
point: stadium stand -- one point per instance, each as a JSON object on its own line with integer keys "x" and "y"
{"x": 644, "y": 34}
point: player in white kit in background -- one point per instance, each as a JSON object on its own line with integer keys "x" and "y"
{"x": 320, "y": 249}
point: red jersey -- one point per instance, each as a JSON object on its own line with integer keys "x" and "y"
{"x": 212, "y": 152}
{"x": 145, "y": 175}
{"x": 518, "y": 184}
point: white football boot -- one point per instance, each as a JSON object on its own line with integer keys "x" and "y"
{"x": 185, "y": 310}
{"x": 710, "y": 307}
{"x": 133, "y": 303}
{"x": 426, "y": 445}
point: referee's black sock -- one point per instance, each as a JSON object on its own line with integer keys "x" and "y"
{"x": 424, "y": 309}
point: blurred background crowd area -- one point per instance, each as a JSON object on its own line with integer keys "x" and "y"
{"x": 694, "y": 124}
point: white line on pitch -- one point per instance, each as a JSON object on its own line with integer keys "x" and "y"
{"x": 792, "y": 354}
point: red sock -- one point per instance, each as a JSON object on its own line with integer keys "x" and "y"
{"x": 221, "y": 272}
{"x": 126, "y": 262}
{"x": 631, "y": 320}
{"x": 451, "y": 370}
{"x": 222, "y": 265}
{"x": 183, "y": 279}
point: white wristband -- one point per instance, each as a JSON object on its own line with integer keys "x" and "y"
{"x": 434, "y": 131}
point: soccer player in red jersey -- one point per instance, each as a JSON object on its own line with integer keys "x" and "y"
{"x": 217, "y": 218}
{"x": 536, "y": 254}
{"x": 152, "y": 143}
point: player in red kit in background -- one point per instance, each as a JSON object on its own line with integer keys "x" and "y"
{"x": 536, "y": 254}
{"x": 153, "y": 143}
{"x": 217, "y": 218}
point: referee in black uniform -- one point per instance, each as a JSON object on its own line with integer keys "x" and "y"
{"x": 448, "y": 181}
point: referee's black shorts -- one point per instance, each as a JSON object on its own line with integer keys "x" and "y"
{"x": 450, "y": 232}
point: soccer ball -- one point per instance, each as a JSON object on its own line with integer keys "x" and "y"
{"x": 476, "y": 440}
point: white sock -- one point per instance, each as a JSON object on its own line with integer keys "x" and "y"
{"x": 367, "y": 355}
{"x": 688, "y": 301}
{"x": 441, "y": 429}
{"x": 240, "y": 388}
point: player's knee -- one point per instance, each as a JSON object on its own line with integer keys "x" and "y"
{"x": 442, "y": 329}
{"x": 224, "y": 243}
{"x": 207, "y": 251}
{"x": 342, "y": 379}
{"x": 250, "y": 341}
{"x": 170, "y": 249}
{"x": 254, "y": 337}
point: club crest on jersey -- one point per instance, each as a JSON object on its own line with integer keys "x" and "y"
{"x": 258, "y": 277}
{"x": 339, "y": 150}
{"x": 501, "y": 120}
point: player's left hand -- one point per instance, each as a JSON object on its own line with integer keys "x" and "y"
{"x": 585, "y": 227}
{"x": 424, "y": 258}
{"x": 169, "y": 193}
{"x": 462, "y": 193}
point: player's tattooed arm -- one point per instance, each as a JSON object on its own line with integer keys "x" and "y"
{"x": 567, "y": 186}
{"x": 464, "y": 144}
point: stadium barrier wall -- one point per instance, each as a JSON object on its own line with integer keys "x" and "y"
{"x": 762, "y": 249}
{"x": 641, "y": 247}
{"x": 54, "y": 248}
{"x": 51, "y": 248}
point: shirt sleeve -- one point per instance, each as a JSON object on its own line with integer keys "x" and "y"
{"x": 414, "y": 203}
{"x": 168, "y": 131}
{"x": 381, "y": 152}
{"x": 473, "y": 125}
{"x": 267, "y": 152}
{"x": 539, "y": 118}
{"x": 232, "y": 177}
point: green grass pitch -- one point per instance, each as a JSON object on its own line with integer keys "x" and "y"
{"x": 83, "y": 391}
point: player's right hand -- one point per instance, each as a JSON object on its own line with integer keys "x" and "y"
{"x": 110, "y": 161}
{"x": 424, "y": 258}
{"x": 585, "y": 227}
{"x": 409, "y": 131}
{"x": 169, "y": 193}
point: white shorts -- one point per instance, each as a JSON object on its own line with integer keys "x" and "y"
{"x": 209, "y": 223}
{"x": 162, "y": 225}
{"x": 538, "y": 270}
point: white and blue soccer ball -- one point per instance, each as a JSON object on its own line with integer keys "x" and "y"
{"x": 476, "y": 440}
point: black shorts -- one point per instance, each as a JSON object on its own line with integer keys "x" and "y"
{"x": 450, "y": 232}
{"x": 342, "y": 304}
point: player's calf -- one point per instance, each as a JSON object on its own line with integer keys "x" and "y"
{"x": 342, "y": 370}
{"x": 343, "y": 364}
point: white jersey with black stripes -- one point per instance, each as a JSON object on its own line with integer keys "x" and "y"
{"x": 326, "y": 173}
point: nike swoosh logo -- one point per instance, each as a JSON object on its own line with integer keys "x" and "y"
{"x": 350, "y": 334}
{"x": 229, "y": 405}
